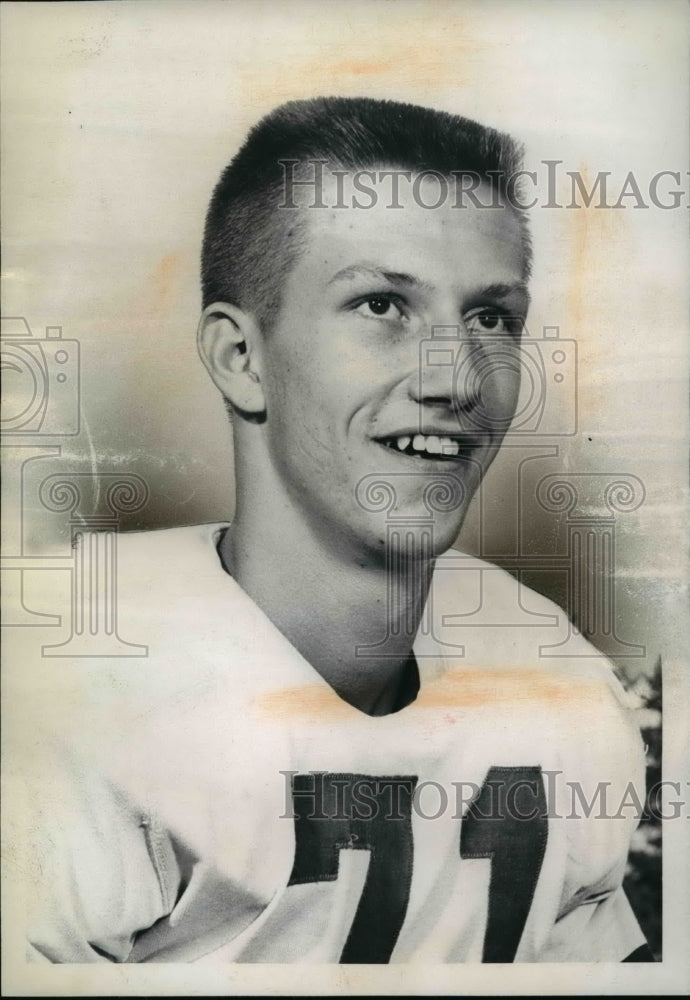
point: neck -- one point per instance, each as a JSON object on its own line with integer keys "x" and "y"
{"x": 350, "y": 617}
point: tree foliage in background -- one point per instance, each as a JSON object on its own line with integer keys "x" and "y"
{"x": 643, "y": 880}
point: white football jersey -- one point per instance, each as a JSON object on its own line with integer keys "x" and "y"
{"x": 215, "y": 800}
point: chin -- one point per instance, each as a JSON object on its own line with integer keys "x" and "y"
{"x": 412, "y": 539}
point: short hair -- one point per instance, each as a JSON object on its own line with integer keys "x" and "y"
{"x": 249, "y": 246}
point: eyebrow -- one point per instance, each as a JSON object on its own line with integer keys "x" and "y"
{"x": 378, "y": 273}
{"x": 501, "y": 290}
{"x": 496, "y": 290}
{"x": 504, "y": 290}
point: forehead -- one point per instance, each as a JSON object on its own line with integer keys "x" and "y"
{"x": 424, "y": 228}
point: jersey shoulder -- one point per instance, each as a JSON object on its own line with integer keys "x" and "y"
{"x": 500, "y": 622}
{"x": 517, "y": 650}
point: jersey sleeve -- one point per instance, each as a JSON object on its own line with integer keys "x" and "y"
{"x": 598, "y": 930}
{"x": 597, "y": 923}
{"x": 93, "y": 883}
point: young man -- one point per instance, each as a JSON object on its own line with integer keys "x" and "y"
{"x": 318, "y": 761}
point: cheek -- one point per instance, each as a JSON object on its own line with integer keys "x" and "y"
{"x": 289, "y": 386}
{"x": 499, "y": 388}
{"x": 510, "y": 388}
{"x": 301, "y": 417}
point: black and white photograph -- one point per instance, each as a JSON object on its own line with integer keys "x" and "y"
{"x": 345, "y": 539}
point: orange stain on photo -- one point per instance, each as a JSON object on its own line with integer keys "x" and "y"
{"x": 432, "y": 60}
{"x": 592, "y": 233}
{"x": 305, "y": 700}
{"x": 166, "y": 278}
{"x": 495, "y": 686}
{"x": 457, "y": 689}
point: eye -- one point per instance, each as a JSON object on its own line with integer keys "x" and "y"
{"x": 494, "y": 322}
{"x": 383, "y": 305}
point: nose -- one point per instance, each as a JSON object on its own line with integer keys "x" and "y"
{"x": 446, "y": 375}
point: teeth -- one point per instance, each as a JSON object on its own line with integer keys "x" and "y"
{"x": 432, "y": 444}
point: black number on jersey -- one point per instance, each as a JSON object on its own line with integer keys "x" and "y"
{"x": 358, "y": 812}
{"x": 506, "y": 822}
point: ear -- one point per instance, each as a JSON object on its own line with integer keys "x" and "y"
{"x": 226, "y": 339}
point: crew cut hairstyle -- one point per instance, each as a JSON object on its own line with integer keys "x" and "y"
{"x": 250, "y": 244}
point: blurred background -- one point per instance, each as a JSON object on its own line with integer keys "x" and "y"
{"x": 117, "y": 122}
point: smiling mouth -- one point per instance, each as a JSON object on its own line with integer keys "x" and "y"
{"x": 432, "y": 446}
